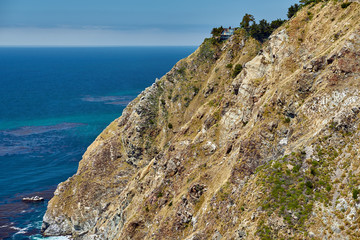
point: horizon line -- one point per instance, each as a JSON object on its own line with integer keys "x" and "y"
{"x": 44, "y": 46}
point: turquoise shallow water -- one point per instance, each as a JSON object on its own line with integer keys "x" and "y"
{"x": 53, "y": 104}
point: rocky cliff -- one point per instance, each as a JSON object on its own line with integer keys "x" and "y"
{"x": 206, "y": 152}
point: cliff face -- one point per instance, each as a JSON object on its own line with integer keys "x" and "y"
{"x": 203, "y": 153}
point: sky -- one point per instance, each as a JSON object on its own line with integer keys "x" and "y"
{"x": 125, "y": 23}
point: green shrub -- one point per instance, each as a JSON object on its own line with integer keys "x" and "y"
{"x": 345, "y": 5}
{"x": 287, "y": 120}
{"x": 196, "y": 90}
{"x": 355, "y": 193}
{"x": 310, "y": 15}
{"x": 175, "y": 98}
{"x": 238, "y": 68}
{"x": 229, "y": 65}
{"x": 207, "y": 49}
{"x": 296, "y": 168}
{"x": 294, "y": 192}
{"x": 309, "y": 185}
{"x": 181, "y": 70}
{"x": 264, "y": 231}
{"x": 170, "y": 126}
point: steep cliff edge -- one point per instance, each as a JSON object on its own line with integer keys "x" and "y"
{"x": 203, "y": 153}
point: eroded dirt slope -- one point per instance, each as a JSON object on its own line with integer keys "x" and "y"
{"x": 203, "y": 153}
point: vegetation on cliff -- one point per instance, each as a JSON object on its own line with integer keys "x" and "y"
{"x": 242, "y": 139}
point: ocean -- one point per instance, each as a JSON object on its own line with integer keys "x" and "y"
{"x": 53, "y": 104}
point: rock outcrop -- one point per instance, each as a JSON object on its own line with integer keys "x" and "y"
{"x": 270, "y": 153}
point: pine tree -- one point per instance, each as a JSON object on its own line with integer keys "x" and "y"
{"x": 245, "y": 23}
{"x": 292, "y": 10}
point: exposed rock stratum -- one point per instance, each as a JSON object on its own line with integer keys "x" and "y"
{"x": 272, "y": 153}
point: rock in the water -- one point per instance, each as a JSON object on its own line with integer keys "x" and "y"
{"x": 33, "y": 199}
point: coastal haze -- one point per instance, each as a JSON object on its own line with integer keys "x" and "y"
{"x": 139, "y": 23}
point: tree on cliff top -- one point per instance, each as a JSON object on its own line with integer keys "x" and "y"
{"x": 293, "y": 10}
{"x": 216, "y": 32}
{"x": 247, "y": 19}
{"x": 262, "y": 30}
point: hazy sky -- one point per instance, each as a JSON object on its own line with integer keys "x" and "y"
{"x": 118, "y": 22}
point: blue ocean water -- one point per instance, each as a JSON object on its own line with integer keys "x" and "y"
{"x": 53, "y": 104}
